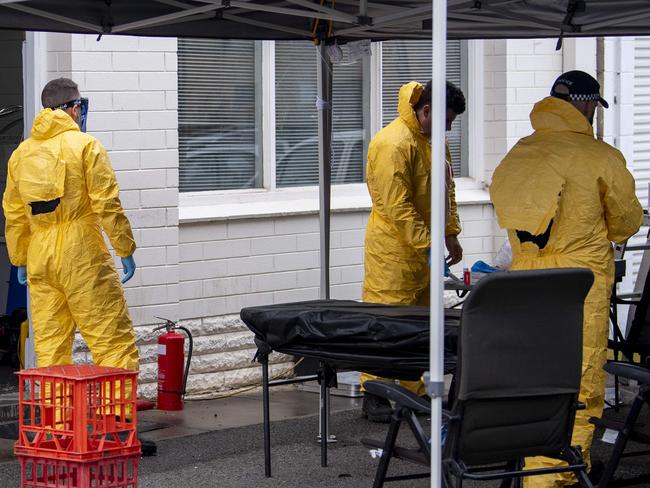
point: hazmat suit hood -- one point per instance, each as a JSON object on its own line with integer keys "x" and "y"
{"x": 554, "y": 114}
{"x": 409, "y": 95}
{"x": 42, "y": 178}
{"x": 528, "y": 200}
{"x": 50, "y": 123}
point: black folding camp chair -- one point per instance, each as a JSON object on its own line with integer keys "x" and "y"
{"x": 635, "y": 345}
{"x": 517, "y": 384}
{"x": 631, "y": 344}
{"x": 628, "y": 429}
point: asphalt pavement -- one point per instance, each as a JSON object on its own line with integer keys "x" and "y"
{"x": 232, "y": 455}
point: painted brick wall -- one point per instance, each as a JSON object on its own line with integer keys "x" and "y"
{"x": 230, "y": 264}
{"x": 518, "y": 73}
{"x": 131, "y": 84}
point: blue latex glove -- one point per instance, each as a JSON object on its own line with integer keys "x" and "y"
{"x": 129, "y": 268}
{"x": 22, "y": 274}
{"x": 483, "y": 267}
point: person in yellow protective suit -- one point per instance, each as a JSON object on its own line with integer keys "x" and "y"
{"x": 61, "y": 192}
{"x": 564, "y": 197}
{"x": 398, "y": 238}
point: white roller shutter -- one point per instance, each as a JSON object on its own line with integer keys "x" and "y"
{"x": 642, "y": 117}
{"x": 640, "y": 165}
{"x": 296, "y": 117}
{"x": 218, "y": 137}
{"x": 404, "y": 61}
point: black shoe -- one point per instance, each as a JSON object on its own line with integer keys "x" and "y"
{"x": 148, "y": 448}
{"x": 376, "y": 409}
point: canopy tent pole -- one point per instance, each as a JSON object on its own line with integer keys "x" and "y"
{"x": 164, "y": 18}
{"x": 490, "y": 21}
{"x": 398, "y": 18}
{"x": 600, "y": 76}
{"x": 324, "y": 109}
{"x": 438, "y": 111}
{"x": 310, "y": 14}
{"x": 266, "y": 25}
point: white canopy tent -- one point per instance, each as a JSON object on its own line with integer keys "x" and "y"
{"x": 344, "y": 21}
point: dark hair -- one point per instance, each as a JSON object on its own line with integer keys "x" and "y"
{"x": 455, "y": 98}
{"x": 59, "y": 91}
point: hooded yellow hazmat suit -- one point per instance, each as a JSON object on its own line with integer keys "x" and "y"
{"x": 71, "y": 275}
{"x": 561, "y": 176}
{"x": 398, "y": 233}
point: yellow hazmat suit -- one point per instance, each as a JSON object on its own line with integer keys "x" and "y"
{"x": 561, "y": 176}
{"x": 71, "y": 276}
{"x": 398, "y": 236}
{"x": 398, "y": 233}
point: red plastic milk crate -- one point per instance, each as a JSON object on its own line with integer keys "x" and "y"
{"x": 77, "y": 413}
{"x": 116, "y": 472}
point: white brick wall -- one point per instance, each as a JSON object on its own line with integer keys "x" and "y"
{"x": 518, "y": 73}
{"x": 131, "y": 85}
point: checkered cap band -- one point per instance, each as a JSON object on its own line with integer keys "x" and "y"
{"x": 584, "y": 97}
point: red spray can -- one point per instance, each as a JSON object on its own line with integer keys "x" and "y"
{"x": 467, "y": 276}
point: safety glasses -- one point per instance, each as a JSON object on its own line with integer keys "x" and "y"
{"x": 82, "y": 103}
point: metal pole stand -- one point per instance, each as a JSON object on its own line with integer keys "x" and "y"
{"x": 327, "y": 379}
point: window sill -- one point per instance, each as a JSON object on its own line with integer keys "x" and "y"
{"x": 255, "y": 204}
{"x": 471, "y": 192}
{"x": 249, "y": 204}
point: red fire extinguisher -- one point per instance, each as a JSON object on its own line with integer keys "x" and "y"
{"x": 172, "y": 380}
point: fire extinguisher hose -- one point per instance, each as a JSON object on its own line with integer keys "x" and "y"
{"x": 189, "y": 356}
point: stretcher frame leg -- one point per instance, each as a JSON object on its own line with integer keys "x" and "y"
{"x": 324, "y": 418}
{"x": 267, "y": 418}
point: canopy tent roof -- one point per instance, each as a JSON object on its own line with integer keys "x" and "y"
{"x": 350, "y": 19}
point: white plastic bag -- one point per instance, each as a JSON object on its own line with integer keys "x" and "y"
{"x": 503, "y": 259}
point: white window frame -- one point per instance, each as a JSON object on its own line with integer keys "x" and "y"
{"x": 268, "y": 115}
{"x": 273, "y": 201}
{"x": 475, "y": 94}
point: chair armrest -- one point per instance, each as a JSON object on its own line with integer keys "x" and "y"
{"x": 448, "y": 416}
{"x": 635, "y": 295}
{"x": 620, "y": 301}
{"x": 398, "y": 394}
{"x": 631, "y": 371}
{"x": 628, "y": 348}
